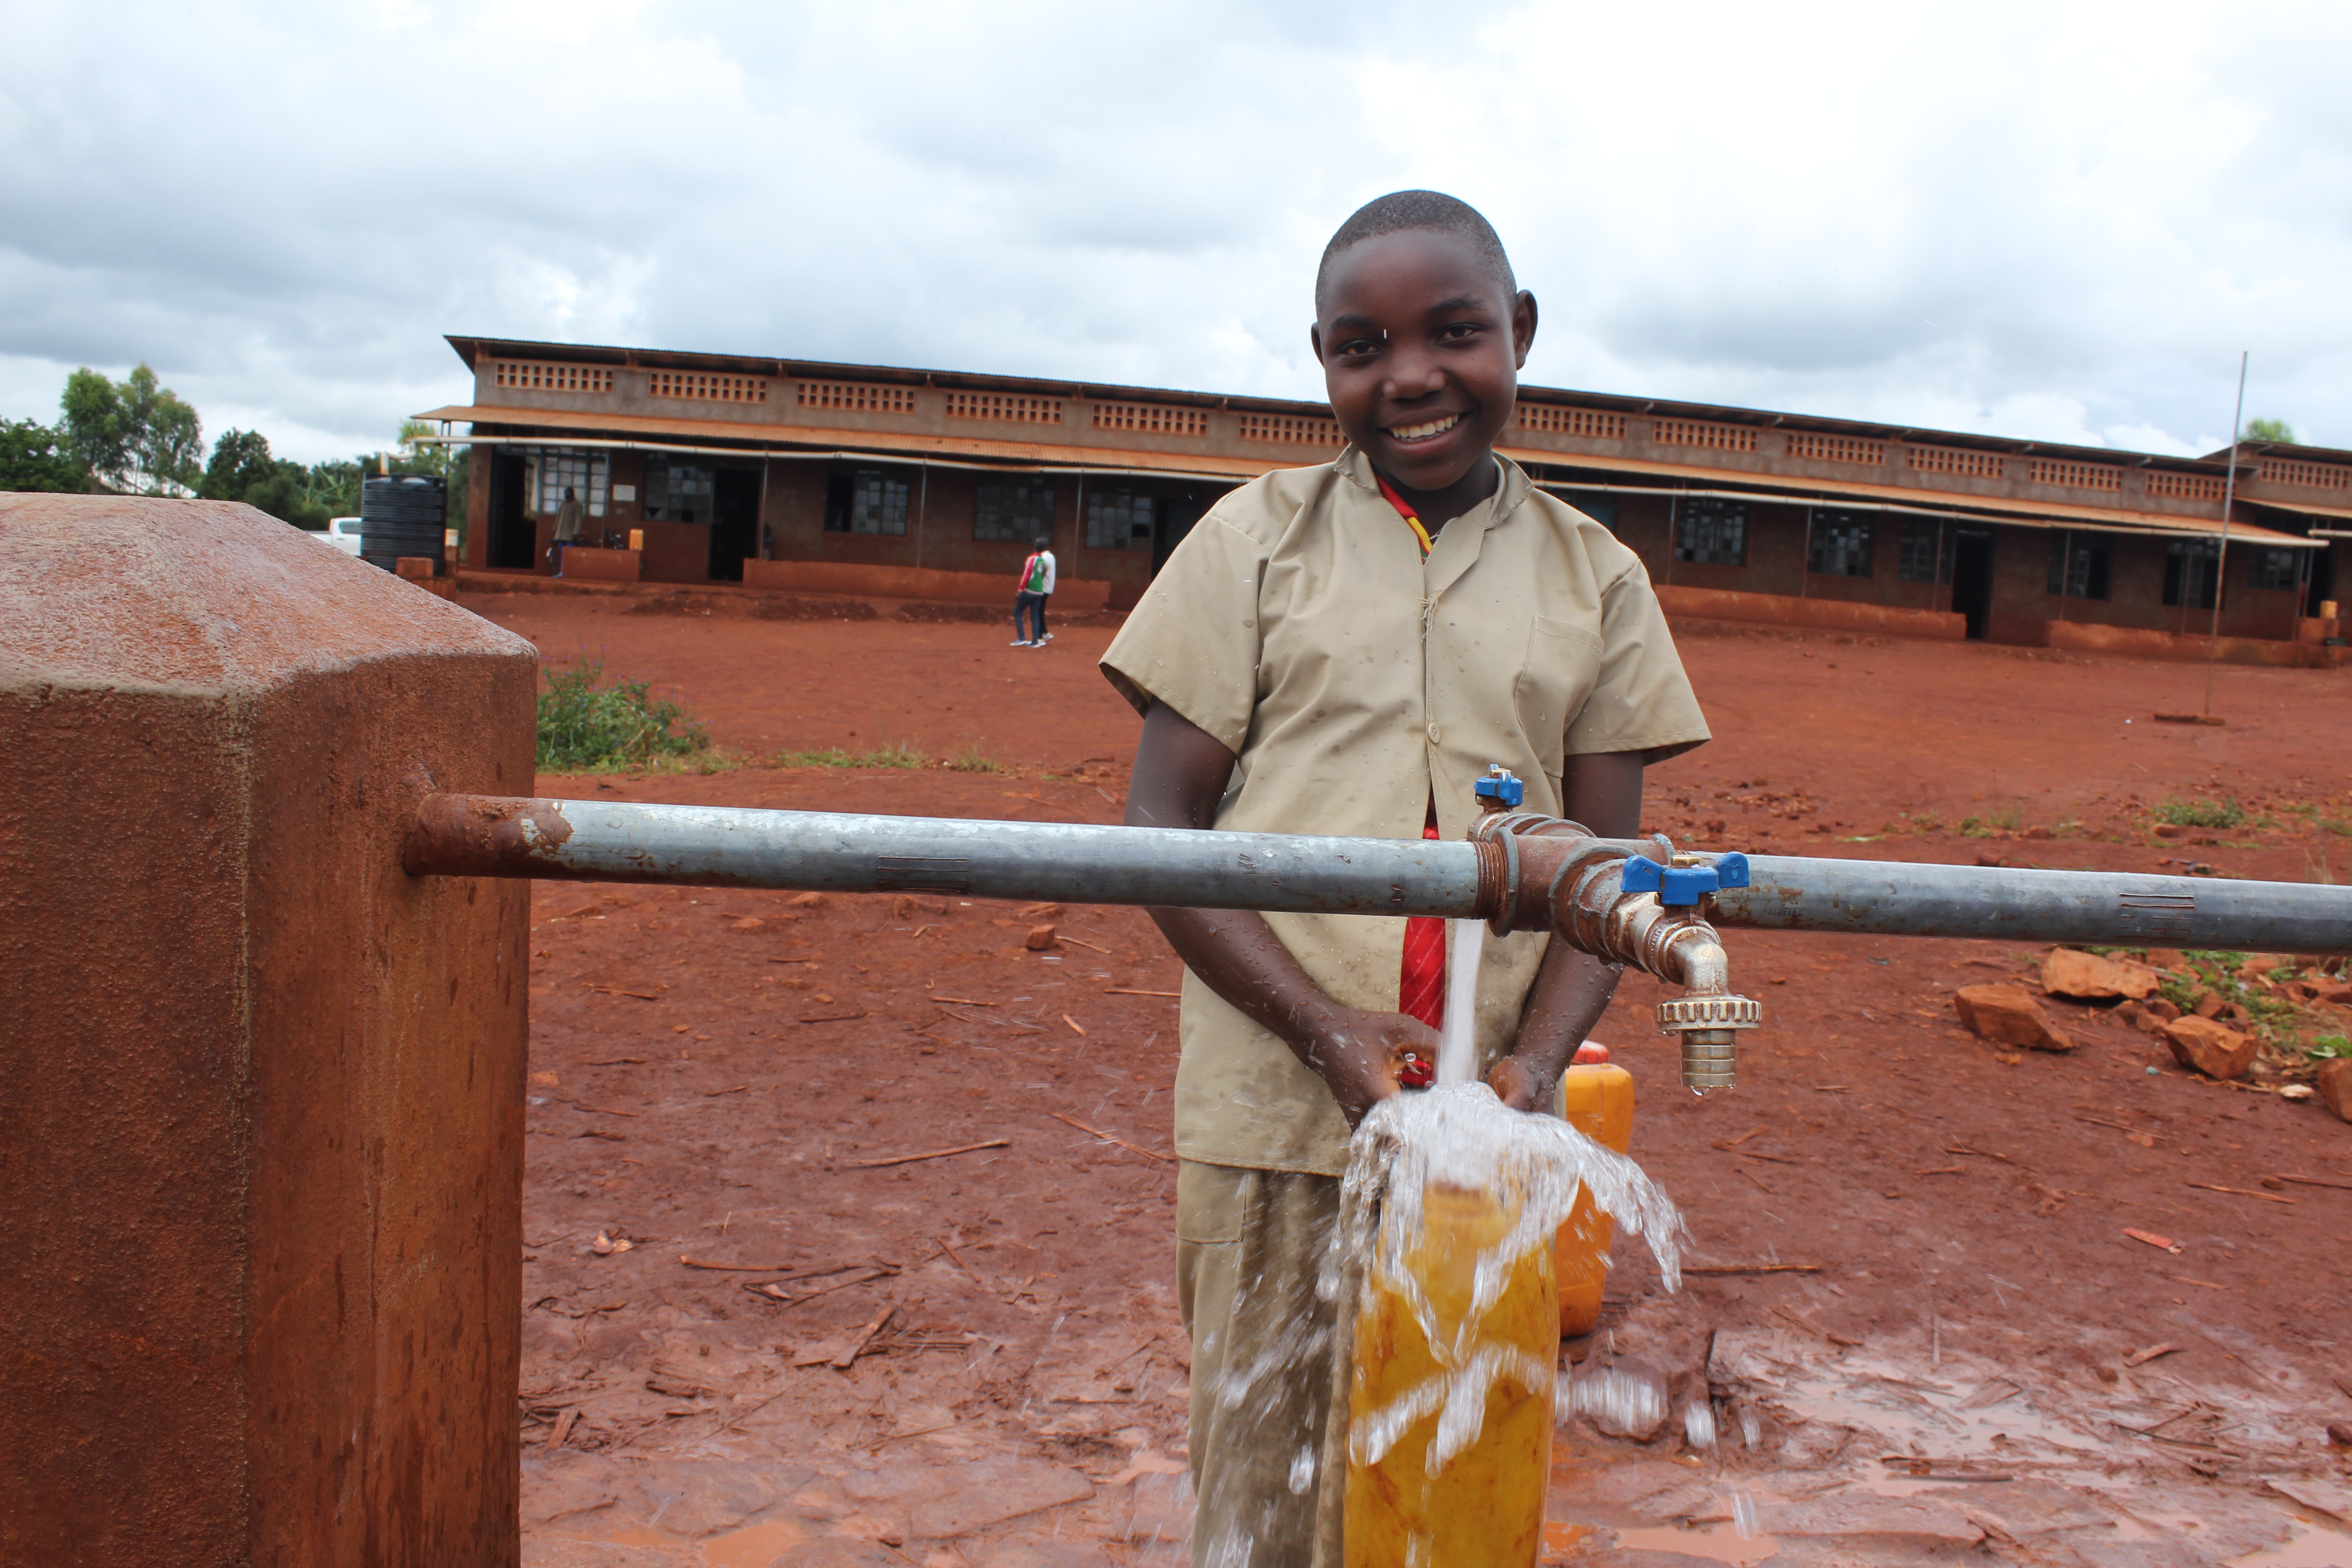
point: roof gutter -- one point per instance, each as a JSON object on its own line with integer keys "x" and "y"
{"x": 1785, "y": 497}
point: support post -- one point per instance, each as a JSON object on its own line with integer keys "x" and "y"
{"x": 260, "y": 1093}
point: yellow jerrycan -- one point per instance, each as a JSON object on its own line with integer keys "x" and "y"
{"x": 1596, "y": 1097}
{"x": 1485, "y": 1507}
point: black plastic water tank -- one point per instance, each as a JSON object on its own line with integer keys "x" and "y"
{"x": 402, "y": 514}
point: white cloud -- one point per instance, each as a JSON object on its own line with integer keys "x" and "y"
{"x": 2056, "y": 223}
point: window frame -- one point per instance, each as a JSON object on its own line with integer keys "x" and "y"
{"x": 1823, "y": 526}
{"x": 1039, "y": 523}
{"x": 860, "y": 500}
{"x": 1140, "y": 510}
{"x": 1720, "y": 517}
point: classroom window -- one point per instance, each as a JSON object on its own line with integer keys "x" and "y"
{"x": 678, "y": 492}
{"x": 1118, "y": 520}
{"x": 1841, "y": 545}
{"x": 1924, "y": 554}
{"x": 867, "y": 500}
{"x": 2079, "y": 567}
{"x": 1713, "y": 532}
{"x": 2188, "y": 573}
{"x": 1017, "y": 510}
{"x": 2275, "y": 570}
{"x": 571, "y": 467}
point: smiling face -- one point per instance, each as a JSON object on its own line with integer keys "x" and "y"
{"x": 1421, "y": 348}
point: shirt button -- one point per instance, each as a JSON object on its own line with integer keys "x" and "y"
{"x": 1433, "y": 731}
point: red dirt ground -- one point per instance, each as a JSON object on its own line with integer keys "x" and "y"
{"x": 710, "y": 1067}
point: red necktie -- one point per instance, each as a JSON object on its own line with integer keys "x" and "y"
{"x": 1421, "y": 980}
{"x": 1420, "y": 984}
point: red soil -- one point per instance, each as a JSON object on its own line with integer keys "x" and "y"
{"x": 713, "y": 1066}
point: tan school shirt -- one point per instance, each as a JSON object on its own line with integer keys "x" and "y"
{"x": 1298, "y": 624}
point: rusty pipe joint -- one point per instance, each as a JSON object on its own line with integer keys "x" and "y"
{"x": 1543, "y": 873}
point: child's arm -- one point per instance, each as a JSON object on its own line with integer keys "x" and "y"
{"x": 1602, "y": 791}
{"x": 1180, "y": 771}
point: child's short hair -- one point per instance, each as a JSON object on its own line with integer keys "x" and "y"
{"x": 1432, "y": 210}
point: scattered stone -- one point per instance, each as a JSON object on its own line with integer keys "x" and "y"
{"x": 2035, "y": 832}
{"x": 2206, "y": 1004}
{"x": 2067, "y": 972}
{"x": 2257, "y": 963}
{"x": 2213, "y": 1050}
{"x": 747, "y": 924}
{"x": 2161, "y": 1010}
{"x": 2007, "y": 1014}
{"x": 2167, "y": 958}
{"x": 2340, "y": 1434}
{"x": 1987, "y": 857}
{"x": 2334, "y": 992}
{"x": 1040, "y": 912}
{"x": 805, "y": 900}
{"x": 2334, "y": 1086}
{"x": 2170, "y": 830}
{"x": 1040, "y": 939}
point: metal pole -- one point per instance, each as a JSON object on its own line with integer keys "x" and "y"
{"x": 2221, "y": 558}
{"x": 599, "y": 841}
{"x": 611, "y": 841}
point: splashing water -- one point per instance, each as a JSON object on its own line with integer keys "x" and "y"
{"x": 1413, "y": 1161}
{"x": 1457, "y": 1043}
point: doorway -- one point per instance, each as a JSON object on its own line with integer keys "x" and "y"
{"x": 1177, "y": 514}
{"x": 1972, "y": 577}
{"x": 514, "y": 534}
{"x": 734, "y": 523}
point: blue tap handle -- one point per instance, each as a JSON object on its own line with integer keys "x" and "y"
{"x": 1680, "y": 886}
{"x": 1500, "y": 787}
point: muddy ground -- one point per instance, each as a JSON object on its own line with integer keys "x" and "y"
{"x": 975, "y": 1358}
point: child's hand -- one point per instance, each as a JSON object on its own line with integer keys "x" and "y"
{"x": 1356, "y": 1053}
{"x": 1521, "y": 1085}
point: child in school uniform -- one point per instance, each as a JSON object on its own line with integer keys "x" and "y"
{"x": 1344, "y": 649}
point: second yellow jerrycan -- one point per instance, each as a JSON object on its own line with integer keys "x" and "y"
{"x": 1597, "y": 1099}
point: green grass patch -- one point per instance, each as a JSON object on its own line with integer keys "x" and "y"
{"x": 972, "y": 760}
{"x": 894, "y": 755}
{"x": 590, "y": 725}
{"x": 2200, "y": 813}
{"x": 2328, "y": 1047}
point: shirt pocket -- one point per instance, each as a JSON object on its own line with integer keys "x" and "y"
{"x": 1561, "y": 667}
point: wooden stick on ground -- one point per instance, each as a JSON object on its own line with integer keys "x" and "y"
{"x": 2239, "y": 1191}
{"x": 1130, "y": 991}
{"x": 1752, "y": 1268}
{"x": 933, "y": 1154}
{"x": 2315, "y": 1181}
{"x": 1108, "y": 1138}
{"x": 858, "y": 1346}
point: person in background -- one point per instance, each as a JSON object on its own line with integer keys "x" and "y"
{"x": 567, "y": 526}
{"x": 1037, "y": 583}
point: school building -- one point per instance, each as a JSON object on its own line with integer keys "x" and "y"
{"x": 877, "y": 481}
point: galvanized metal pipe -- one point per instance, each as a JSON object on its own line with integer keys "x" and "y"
{"x": 600, "y": 841}
{"x": 480, "y": 836}
{"x": 1890, "y": 898}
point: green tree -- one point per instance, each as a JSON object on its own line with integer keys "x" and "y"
{"x": 241, "y": 461}
{"x": 2275, "y": 430}
{"x": 136, "y": 436}
{"x": 242, "y": 469}
{"x": 32, "y": 457}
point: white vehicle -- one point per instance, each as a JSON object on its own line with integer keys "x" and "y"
{"x": 344, "y": 534}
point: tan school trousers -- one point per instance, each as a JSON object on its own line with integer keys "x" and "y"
{"x": 1250, "y": 1247}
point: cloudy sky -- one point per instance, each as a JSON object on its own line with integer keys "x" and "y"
{"x": 2044, "y": 221}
